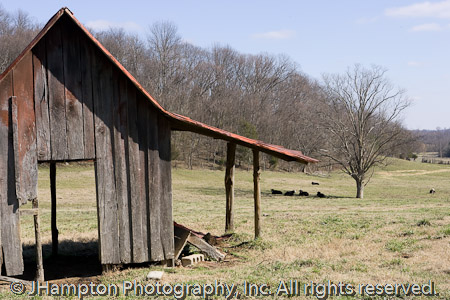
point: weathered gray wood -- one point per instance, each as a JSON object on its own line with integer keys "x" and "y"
{"x": 120, "y": 164}
{"x": 37, "y": 234}
{"x": 229, "y": 187}
{"x": 104, "y": 164}
{"x": 5, "y": 94}
{"x": 142, "y": 115}
{"x": 86, "y": 54}
{"x": 134, "y": 166}
{"x": 53, "y": 208}
{"x": 180, "y": 239}
{"x": 41, "y": 101}
{"x": 166, "y": 219}
{"x": 155, "y": 188}
{"x": 56, "y": 99}
{"x": 9, "y": 206}
{"x": 73, "y": 91}
{"x": 206, "y": 248}
{"x": 12, "y": 279}
{"x": 257, "y": 193}
{"x": 24, "y": 130}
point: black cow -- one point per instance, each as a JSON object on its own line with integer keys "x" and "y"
{"x": 289, "y": 193}
{"x": 320, "y": 195}
{"x": 276, "y": 192}
{"x": 303, "y": 193}
{"x": 314, "y": 183}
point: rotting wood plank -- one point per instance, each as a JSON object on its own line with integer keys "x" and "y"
{"x": 180, "y": 240}
{"x": 54, "y": 227}
{"x": 5, "y": 94}
{"x": 104, "y": 164}
{"x": 206, "y": 248}
{"x": 257, "y": 193}
{"x": 41, "y": 101}
{"x": 73, "y": 91}
{"x": 121, "y": 152}
{"x": 38, "y": 245}
{"x": 24, "y": 130}
{"x": 133, "y": 164}
{"x": 155, "y": 188}
{"x": 86, "y": 54}
{"x": 12, "y": 279}
{"x": 229, "y": 187}
{"x": 167, "y": 233}
{"x": 142, "y": 115}
{"x": 9, "y": 206}
{"x": 195, "y": 240}
{"x": 56, "y": 99}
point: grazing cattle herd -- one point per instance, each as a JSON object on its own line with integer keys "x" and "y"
{"x": 300, "y": 192}
{"x": 319, "y": 194}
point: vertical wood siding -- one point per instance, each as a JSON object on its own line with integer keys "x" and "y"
{"x": 81, "y": 106}
{"x": 11, "y": 246}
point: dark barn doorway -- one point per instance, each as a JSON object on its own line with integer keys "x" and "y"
{"x": 76, "y": 252}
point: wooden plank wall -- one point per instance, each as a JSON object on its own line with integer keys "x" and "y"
{"x": 86, "y": 108}
{"x": 11, "y": 247}
{"x": 24, "y": 130}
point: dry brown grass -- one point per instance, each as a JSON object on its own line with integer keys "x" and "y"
{"x": 375, "y": 240}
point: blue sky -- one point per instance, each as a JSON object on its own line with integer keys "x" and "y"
{"x": 409, "y": 38}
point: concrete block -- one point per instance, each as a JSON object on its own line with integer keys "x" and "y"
{"x": 192, "y": 259}
{"x": 155, "y": 275}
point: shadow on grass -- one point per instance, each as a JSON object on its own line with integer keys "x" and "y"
{"x": 218, "y": 191}
{"x": 75, "y": 259}
{"x": 270, "y": 195}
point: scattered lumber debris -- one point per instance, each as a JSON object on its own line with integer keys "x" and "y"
{"x": 184, "y": 235}
{"x": 11, "y": 279}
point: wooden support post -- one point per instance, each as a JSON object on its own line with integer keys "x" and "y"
{"x": 229, "y": 187}
{"x": 53, "y": 219}
{"x": 37, "y": 233}
{"x": 257, "y": 193}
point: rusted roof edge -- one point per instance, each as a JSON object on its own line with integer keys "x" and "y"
{"x": 275, "y": 150}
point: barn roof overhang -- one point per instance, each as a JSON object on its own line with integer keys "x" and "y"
{"x": 178, "y": 122}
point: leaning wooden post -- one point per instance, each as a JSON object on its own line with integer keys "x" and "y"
{"x": 37, "y": 234}
{"x": 229, "y": 187}
{"x": 257, "y": 193}
{"x": 53, "y": 218}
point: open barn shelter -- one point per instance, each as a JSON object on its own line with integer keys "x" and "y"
{"x": 66, "y": 98}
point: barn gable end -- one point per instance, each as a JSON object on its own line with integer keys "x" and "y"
{"x": 73, "y": 103}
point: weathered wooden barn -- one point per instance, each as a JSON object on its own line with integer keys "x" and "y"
{"x": 66, "y": 98}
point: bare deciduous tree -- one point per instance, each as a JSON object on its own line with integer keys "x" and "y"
{"x": 362, "y": 121}
{"x": 16, "y": 31}
{"x": 164, "y": 43}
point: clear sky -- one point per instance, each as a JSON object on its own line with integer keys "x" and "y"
{"x": 410, "y": 38}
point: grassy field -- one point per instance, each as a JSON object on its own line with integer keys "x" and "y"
{"x": 398, "y": 234}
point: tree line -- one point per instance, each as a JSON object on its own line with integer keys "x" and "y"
{"x": 348, "y": 120}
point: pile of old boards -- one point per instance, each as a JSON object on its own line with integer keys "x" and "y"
{"x": 184, "y": 235}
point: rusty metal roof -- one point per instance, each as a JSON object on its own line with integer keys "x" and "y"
{"x": 177, "y": 121}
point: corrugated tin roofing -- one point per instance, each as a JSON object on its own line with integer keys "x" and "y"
{"x": 177, "y": 121}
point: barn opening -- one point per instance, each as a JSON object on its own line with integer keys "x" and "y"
{"x": 73, "y": 252}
